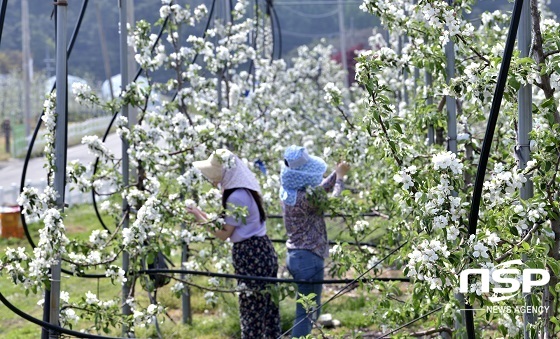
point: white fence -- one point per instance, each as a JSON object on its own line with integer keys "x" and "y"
{"x": 9, "y": 195}
{"x": 75, "y": 133}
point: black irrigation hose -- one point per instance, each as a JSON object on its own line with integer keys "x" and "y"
{"x": 44, "y": 324}
{"x": 410, "y": 322}
{"x": 2, "y": 17}
{"x": 254, "y": 42}
{"x": 36, "y": 131}
{"x": 487, "y": 143}
{"x": 271, "y": 279}
{"x": 205, "y": 28}
{"x": 279, "y": 32}
{"x": 268, "y": 12}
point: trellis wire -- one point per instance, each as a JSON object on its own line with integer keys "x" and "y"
{"x": 409, "y": 323}
{"x": 278, "y": 280}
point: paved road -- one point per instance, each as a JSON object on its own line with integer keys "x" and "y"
{"x": 11, "y": 170}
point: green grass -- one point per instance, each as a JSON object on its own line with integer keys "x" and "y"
{"x": 220, "y": 321}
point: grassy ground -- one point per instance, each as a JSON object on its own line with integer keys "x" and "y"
{"x": 220, "y": 321}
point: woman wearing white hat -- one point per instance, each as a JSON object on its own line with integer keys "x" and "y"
{"x": 307, "y": 243}
{"x": 253, "y": 253}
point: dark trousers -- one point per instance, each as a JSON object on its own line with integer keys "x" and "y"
{"x": 259, "y": 315}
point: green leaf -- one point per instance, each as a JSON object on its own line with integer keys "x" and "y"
{"x": 554, "y": 266}
{"x": 150, "y": 258}
{"x": 525, "y": 61}
{"x": 547, "y": 103}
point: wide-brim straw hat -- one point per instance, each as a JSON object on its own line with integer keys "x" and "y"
{"x": 212, "y": 168}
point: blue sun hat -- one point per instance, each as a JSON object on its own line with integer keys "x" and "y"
{"x": 301, "y": 170}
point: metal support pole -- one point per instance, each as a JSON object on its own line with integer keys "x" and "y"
{"x": 59, "y": 146}
{"x": 429, "y": 102}
{"x": 222, "y": 73}
{"x": 402, "y": 41}
{"x": 186, "y": 296}
{"x": 450, "y": 102}
{"x": 26, "y": 65}
{"x": 525, "y": 125}
{"x": 342, "y": 37}
{"x": 125, "y": 161}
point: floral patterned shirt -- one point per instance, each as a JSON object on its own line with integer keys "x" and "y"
{"x": 305, "y": 224}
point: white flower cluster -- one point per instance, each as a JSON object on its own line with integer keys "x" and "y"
{"x": 116, "y": 273}
{"x": 52, "y": 244}
{"x": 360, "y": 226}
{"x": 332, "y": 94}
{"x": 97, "y": 147}
{"x": 513, "y": 326}
{"x": 121, "y": 123}
{"x": 32, "y": 203}
{"x": 98, "y": 238}
{"x": 68, "y": 315}
{"x": 49, "y": 118}
{"x": 447, "y": 160}
{"x": 424, "y": 265}
{"x": 189, "y": 203}
{"x": 502, "y": 186}
{"x": 177, "y": 288}
{"x": 404, "y": 176}
{"x": 146, "y": 318}
{"x": 79, "y": 175}
{"x": 529, "y": 216}
{"x": 94, "y": 257}
{"x": 14, "y": 259}
{"x": 210, "y": 297}
{"x": 440, "y": 208}
{"x": 143, "y": 228}
{"x": 84, "y": 94}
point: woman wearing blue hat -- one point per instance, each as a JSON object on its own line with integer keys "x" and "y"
{"x": 305, "y": 225}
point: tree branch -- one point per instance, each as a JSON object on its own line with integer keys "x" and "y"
{"x": 540, "y": 56}
{"x": 549, "y": 53}
{"x": 432, "y": 331}
{"x": 346, "y": 117}
{"x": 526, "y": 238}
{"x": 472, "y": 49}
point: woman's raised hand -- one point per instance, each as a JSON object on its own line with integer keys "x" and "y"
{"x": 341, "y": 169}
